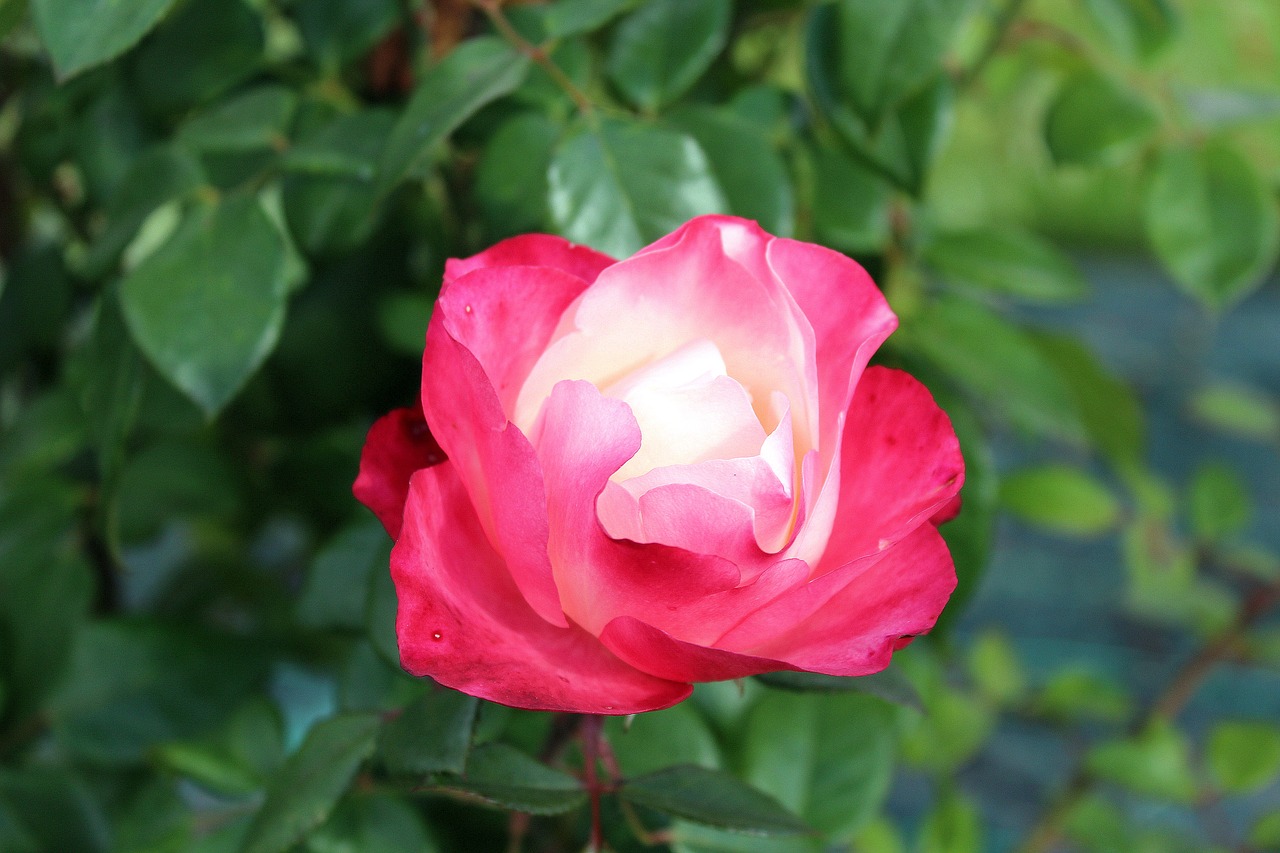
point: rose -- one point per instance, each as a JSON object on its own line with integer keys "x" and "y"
{"x": 663, "y": 470}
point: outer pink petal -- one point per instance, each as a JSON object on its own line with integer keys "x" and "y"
{"x": 495, "y": 462}
{"x": 900, "y": 466}
{"x": 855, "y": 630}
{"x": 462, "y": 621}
{"x": 657, "y": 652}
{"x": 533, "y": 250}
{"x": 398, "y": 444}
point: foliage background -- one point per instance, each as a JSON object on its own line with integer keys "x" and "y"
{"x": 222, "y": 225}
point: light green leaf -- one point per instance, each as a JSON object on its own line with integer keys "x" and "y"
{"x": 1007, "y": 262}
{"x": 1266, "y": 832}
{"x": 256, "y": 119}
{"x": 238, "y": 758}
{"x": 829, "y": 759}
{"x": 1094, "y": 120}
{"x": 1218, "y": 503}
{"x": 996, "y": 669}
{"x": 503, "y": 776}
{"x": 478, "y": 71}
{"x": 952, "y": 826}
{"x": 658, "y": 51}
{"x": 1139, "y": 28}
{"x": 80, "y": 34}
{"x": 711, "y": 798}
{"x": 301, "y": 796}
{"x": 659, "y": 739}
{"x": 431, "y": 735}
{"x": 625, "y": 185}
{"x": 208, "y": 306}
{"x": 744, "y": 164}
{"x": 1212, "y": 221}
{"x": 1156, "y": 762}
{"x": 1244, "y": 756}
{"x": 1061, "y": 499}
{"x": 1078, "y": 694}
{"x": 1237, "y": 410}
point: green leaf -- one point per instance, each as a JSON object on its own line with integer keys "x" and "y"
{"x": 208, "y": 306}
{"x": 205, "y": 48}
{"x": 1061, "y": 499}
{"x": 625, "y": 185}
{"x": 969, "y": 535}
{"x": 333, "y": 595}
{"x": 1218, "y": 503}
{"x": 995, "y": 361}
{"x": 1237, "y": 410}
{"x": 1266, "y": 832}
{"x": 565, "y": 18}
{"x": 12, "y": 13}
{"x": 1139, "y": 28}
{"x": 996, "y": 669}
{"x": 658, "y": 51}
{"x": 829, "y": 759}
{"x": 111, "y": 388}
{"x": 431, "y": 735}
{"x": 478, "y": 71}
{"x": 372, "y": 824}
{"x": 1244, "y": 756}
{"x": 712, "y": 798}
{"x": 304, "y": 792}
{"x": 236, "y": 759}
{"x": 1109, "y": 409}
{"x": 744, "y": 164}
{"x": 507, "y": 778}
{"x": 850, "y": 203}
{"x": 380, "y": 605}
{"x": 80, "y": 34}
{"x": 511, "y": 178}
{"x": 403, "y": 319}
{"x": 134, "y": 684}
{"x": 1212, "y": 221}
{"x": 888, "y": 51}
{"x": 1156, "y": 762}
{"x": 1007, "y": 262}
{"x": 952, "y": 826}
{"x": 340, "y": 31}
{"x": 57, "y": 808}
{"x": 659, "y": 739}
{"x": 1077, "y": 694}
{"x": 1094, "y": 120}
{"x": 257, "y": 119}
{"x": 888, "y": 684}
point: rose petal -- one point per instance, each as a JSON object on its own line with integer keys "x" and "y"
{"x": 654, "y": 651}
{"x": 462, "y": 622}
{"x": 533, "y": 250}
{"x": 849, "y": 621}
{"x": 398, "y": 444}
{"x": 900, "y": 466}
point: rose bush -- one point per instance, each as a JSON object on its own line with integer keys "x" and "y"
{"x": 668, "y": 469}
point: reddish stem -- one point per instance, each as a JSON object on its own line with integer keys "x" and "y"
{"x": 592, "y": 733}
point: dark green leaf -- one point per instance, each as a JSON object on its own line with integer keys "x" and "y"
{"x": 850, "y": 203}
{"x": 257, "y": 119}
{"x": 82, "y": 33}
{"x": 712, "y": 798}
{"x": 403, "y": 319}
{"x": 208, "y": 306}
{"x": 1139, "y": 28}
{"x": 888, "y": 684}
{"x": 511, "y": 178}
{"x": 744, "y": 164}
{"x": 1094, "y": 120}
{"x": 1006, "y": 262}
{"x": 134, "y": 684}
{"x": 475, "y": 73}
{"x": 380, "y": 614}
{"x": 173, "y": 480}
{"x": 1244, "y": 756}
{"x": 505, "y": 777}
{"x": 333, "y": 595}
{"x": 1218, "y": 503}
{"x": 828, "y": 759}
{"x": 1156, "y": 762}
{"x": 372, "y": 824}
{"x": 969, "y": 535}
{"x": 57, "y": 809}
{"x": 662, "y": 48}
{"x": 12, "y": 13}
{"x": 304, "y": 792}
{"x": 659, "y": 739}
{"x": 205, "y": 48}
{"x": 237, "y": 758}
{"x": 431, "y": 735}
{"x": 339, "y": 31}
{"x": 626, "y": 185}
{"x": 1061, "y": 499}
{"x": 1109, "y": 409}
{"x": 112, "y": 387}
{"x": 34, "y": 303}
{"x": 570, "y": 17}
{"x": 1213, "y": 223}
{"x": 995, "y": 361}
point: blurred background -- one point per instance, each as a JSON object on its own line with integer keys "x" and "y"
{"x": 222, "y": 227}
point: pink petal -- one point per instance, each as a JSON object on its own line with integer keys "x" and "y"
{"x": 398, "y": 444}
{"x": 533, "y": 250}
{"x": 862, "y": 611}
{"x": 462, "y": 621}
{"x": 900, "y": 466}
{"x": 657, "y": 652}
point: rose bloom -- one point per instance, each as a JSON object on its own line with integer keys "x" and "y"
{"x": 651, "y": 472}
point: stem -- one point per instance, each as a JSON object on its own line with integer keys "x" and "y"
{"x": 999, "y": 29}
{"x": 493, "y": 11}
{"x": 592, "y": 733}
{"x": 1045, "y": 835}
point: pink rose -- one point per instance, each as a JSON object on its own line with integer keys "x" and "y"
{"x": 668, "y": 469}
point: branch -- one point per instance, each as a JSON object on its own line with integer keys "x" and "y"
{"x": 493, "y": 11}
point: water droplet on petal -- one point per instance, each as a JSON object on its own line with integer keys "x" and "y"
{"x": 437, "y": 636}
{"x": 885, "y": 543}
{"x": 467, "y": 309}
